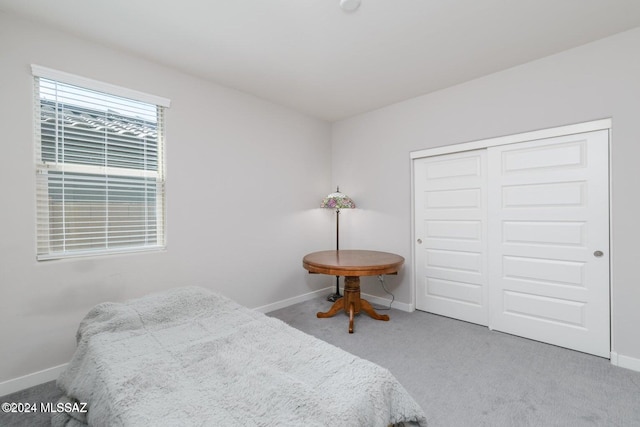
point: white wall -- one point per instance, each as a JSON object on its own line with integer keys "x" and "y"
{"x": 244, "y": 182}
{"x": 598, "y": 80}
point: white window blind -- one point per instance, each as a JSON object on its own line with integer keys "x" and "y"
{"x": 99, "y": 170}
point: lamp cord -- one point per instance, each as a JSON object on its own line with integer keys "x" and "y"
{"x": 381, "y": 278}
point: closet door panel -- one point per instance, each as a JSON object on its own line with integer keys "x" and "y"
{"x": 548, "y": 224}
{"x": 451, "y": 238}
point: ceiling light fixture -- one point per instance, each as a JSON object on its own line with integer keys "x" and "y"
{"x": 349, "y": 5}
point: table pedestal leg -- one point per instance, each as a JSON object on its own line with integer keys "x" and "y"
{"x": 336, "y": 307}
{"x": 351, "y": 303}
{"x": 351, "y": 314}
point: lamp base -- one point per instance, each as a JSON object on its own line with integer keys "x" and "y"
{"x": 334, "y": 297}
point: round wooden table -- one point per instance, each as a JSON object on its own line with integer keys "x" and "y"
{"x": 352, "y": 264}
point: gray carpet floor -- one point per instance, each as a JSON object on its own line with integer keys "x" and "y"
{"x": 461, "y": 374}
{"x": 466, "y": 375}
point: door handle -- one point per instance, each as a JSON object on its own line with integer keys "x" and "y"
{"x": 419, "y": 241}
{"x": 598, "y": 254}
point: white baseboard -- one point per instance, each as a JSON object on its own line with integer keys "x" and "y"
{"x": 326, "y": 291}
{"x": 625, "y": 361}
{"x": 403, "y": 306}
{"x": 294, "y": 300}
{"x": 30, "y": 380}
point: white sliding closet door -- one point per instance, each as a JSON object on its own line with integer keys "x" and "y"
{"x": 549, "y": 241}
{"x": 516, "y": 237}
{"x": 450, "y": 242}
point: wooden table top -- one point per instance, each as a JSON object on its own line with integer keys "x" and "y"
{"x": 352, "y": 262}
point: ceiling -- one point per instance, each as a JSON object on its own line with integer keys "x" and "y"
{"x": 312, "y": 56}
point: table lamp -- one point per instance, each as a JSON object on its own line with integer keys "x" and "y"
{"x": 337, "y": 201}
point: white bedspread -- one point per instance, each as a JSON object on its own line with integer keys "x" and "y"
{"x": 191, "y": 357}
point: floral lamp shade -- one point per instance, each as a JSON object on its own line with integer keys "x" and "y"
{"x": 337, "y": 201}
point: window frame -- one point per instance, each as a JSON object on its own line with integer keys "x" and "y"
{"x": 44, "y": 249}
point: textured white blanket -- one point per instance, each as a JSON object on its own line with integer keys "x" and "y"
{"x": 191, "y": 357}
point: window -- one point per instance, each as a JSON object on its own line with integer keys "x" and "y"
{"x": 99, "y": 167}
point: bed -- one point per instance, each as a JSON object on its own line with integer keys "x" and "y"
{"x": 188, "y": 357}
